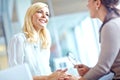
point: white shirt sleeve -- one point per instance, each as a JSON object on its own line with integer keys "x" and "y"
{"x": 16, "y": 50}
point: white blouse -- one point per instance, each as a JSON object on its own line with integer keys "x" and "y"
{"x": 20, "y": 51}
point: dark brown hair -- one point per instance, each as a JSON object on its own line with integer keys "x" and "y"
{"x": 111, "y": 5}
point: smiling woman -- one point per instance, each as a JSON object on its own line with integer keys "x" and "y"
{"x": 32, "y": 46}
{"x": 40, "y": 18}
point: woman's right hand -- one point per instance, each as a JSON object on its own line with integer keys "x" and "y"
{"x": 57, "y": 74}
{"x": 82, "y": 69}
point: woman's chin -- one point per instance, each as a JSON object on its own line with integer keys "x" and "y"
{"x": 42, "y": 26}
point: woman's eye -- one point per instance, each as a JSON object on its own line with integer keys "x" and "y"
{"x": 39, "y": 11}
{"x": 47, "y": 14}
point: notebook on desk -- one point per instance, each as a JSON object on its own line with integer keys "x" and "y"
{"x": 19, "y": 72}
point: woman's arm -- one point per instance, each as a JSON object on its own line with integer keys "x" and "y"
{"x": 15, "y": 50}
{"x": 54, "y": 76}
{"x": 40, "y": 77}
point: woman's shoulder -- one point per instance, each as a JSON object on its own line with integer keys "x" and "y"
{"x": 112, "y": 27}
{"x": 19, "y": 36}
{"x": 116, "y": 20}
{"x": 113, "y": 23}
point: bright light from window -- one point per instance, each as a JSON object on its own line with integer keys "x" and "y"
{"x": 86, "y": 39}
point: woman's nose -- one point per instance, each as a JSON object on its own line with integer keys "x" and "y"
{"x": 44, "y": 15}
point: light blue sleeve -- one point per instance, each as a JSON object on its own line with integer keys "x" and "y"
{"x": 16, "y": 50}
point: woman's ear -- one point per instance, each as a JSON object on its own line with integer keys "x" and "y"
{"x": 98, "y": 4}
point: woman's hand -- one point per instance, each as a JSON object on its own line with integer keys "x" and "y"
{"x": 82, "y": 69}
{"x": 54, "y": 76}
{"x": 57, "y": 75}
{"x": 68, "y": 77}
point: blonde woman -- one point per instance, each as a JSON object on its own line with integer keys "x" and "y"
{"x": 32, "y": 46}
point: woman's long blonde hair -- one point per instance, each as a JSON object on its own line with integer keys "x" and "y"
{"x": 29, "y": 30}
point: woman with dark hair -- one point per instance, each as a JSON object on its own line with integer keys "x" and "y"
{"x": 109, "y": 58}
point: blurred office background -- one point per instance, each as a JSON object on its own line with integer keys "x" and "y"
{"x": 70, "y": 26}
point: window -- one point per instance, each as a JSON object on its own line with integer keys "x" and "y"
{"x": 86, "y": 38}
